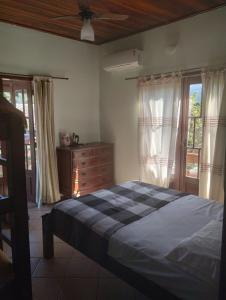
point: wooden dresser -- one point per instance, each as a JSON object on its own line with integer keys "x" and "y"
{"x": 85, "y": 168}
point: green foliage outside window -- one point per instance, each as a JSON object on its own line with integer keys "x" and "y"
{"x": 194, "y": 120}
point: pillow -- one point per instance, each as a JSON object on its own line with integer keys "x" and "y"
{"x": 199, "y": 254}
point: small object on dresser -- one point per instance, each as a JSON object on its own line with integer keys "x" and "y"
{"x": 74, "y": 139}
{"x": 65, "y": 139}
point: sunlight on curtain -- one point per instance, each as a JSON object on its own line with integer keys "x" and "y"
{"x": 47, "y": 176}
{"x": 159, "y": 109}
{"x": 211, "y": 184}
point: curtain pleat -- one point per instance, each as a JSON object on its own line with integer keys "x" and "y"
{"x": 159, "y": 110}
{"x": 214, "y": 136}
{"x": 47, "y": 175}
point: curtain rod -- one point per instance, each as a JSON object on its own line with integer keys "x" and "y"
{"x": 2, "y": 74}
{"x": 185, "y": 72}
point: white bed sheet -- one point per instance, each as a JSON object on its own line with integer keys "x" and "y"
{"x": 143, "y": 245}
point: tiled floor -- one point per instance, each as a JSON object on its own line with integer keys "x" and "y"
{"x": 70, "y": 275}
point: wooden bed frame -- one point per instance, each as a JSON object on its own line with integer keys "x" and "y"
{"x": 98, "y": 253}
{"x": 145, "y": 286}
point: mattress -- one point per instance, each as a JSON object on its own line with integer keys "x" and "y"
{"x": 144, "y": 245}
{"x": 137, "y": 224}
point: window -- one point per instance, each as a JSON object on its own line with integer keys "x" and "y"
{"x": 19, "y": 93}
{"x": 189, "y": 143}
{"x": 194, "y": 132}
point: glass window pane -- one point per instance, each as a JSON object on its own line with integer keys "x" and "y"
{"x": 33, "y": 111}
{"x": 1, "y": 171}
{"x": 192, "y": 163}
{"x": 19, "y": 100}
{"x": 190, "y": 132}
{"x": 28, "y": 124}
{"x": 26, "y": 103}
{"x": 198, "y": 133}
{"x": 7, "y": 95}
{"x": 28, "y": 157}
{"x": 195, "y": 97}
{"x": 27, "y": 138}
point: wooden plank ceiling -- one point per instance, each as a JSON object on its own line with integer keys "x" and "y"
{"x": 143, "y": 15}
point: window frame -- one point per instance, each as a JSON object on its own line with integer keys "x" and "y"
{"x": 187, "y": 184}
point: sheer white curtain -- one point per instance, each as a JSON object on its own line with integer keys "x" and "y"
{"x": 159, "y": 110}
{"x": 47, "y": 176}
{"x": 214, "y": 136}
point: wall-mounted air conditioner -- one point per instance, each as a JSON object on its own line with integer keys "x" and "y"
{"x": 123, "y": 60}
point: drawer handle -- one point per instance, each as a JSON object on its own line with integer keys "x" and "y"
{"x": 83, "y": 153}
{"x": 84, "y": 184}
{"x": 83, "y": 163}
{"x": 83, "y": 174}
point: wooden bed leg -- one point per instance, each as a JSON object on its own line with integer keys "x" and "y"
{"x": 47, "y": 234}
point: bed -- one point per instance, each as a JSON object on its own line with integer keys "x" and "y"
{"x": 161, "y": 241}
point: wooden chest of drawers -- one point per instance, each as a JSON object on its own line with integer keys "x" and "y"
{"x": 85, "y": 168}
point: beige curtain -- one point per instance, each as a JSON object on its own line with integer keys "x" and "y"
{"x": 214, "y": 136}
{"x": 159, "y": 109}
{"x": 47, "y": 183}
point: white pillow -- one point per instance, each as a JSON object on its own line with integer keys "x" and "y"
{"x": 199, "y": 254}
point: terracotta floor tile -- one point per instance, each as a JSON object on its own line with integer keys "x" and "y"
{"x": 31, "y": 205}
{"x": 35, "y": 235}
{"x": 52, "y": 268}
{"x": 35, "y": 224}
{"x": 103, "y": 273}
{"x": 79, "y": 289}
{"x": 46, "y": 289}
{"x": 114, "y": 289}
{"x": 57, "y": 240}
{"x": 63, "y": 250}
{"x": 36, "y": 249}
{"x": 34, "y": 215}
{"x": 78, "y": 255}
{"x": 34, "y": 263}
{"x": 82, "y": 267}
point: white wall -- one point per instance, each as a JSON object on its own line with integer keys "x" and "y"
{"x": 76, "y": 100}
{"x": 201, "y": 42}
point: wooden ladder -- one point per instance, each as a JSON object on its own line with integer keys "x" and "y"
{"x": 14, "y": 202}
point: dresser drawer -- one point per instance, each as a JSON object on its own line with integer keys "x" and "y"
{"x": 85, "y": 153}
{"x": 106, "y": 169}
{"x": 86, "y": 183}
{"x": 91, "y": 162}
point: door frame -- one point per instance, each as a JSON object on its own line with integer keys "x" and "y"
{"x": 183, "y": 179}
{"x": 11, "y": 83}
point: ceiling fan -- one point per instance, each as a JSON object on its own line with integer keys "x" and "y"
{"x": 87, "y": 15}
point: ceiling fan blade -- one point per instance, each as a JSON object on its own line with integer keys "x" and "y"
{"x": 66, "y": 17}
{"x": 111, "y": 16}
{"x": 83, "y": 4}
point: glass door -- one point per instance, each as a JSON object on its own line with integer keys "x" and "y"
{"x": 19, "y": 93}
{"x": 191, "y": 135}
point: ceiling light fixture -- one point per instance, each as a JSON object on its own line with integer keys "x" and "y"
{"x": 87, "y": 15}
{"x": 87, "y": 32}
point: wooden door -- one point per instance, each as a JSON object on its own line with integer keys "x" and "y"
{"x": 191, "y": 135}
{"x": 19, "y": 93}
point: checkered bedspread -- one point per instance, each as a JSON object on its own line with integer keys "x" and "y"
{"x": 108, "y": 210}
